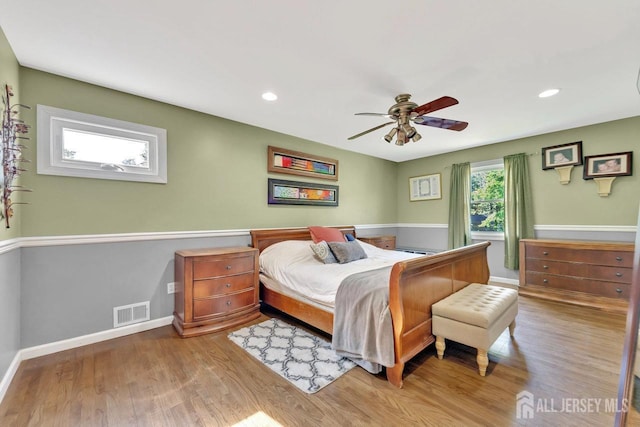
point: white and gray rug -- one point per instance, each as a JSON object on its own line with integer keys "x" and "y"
{"x": 306, "y": 360}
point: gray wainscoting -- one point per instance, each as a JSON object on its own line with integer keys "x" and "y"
{"x": 71, "y": 290}
{"x": 9, "y": 308}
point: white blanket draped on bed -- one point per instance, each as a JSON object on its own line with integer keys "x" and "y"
{"x": 358, "y": 293}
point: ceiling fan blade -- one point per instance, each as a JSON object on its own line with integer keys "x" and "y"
{"x": 438, "y": 104}
{"x": 370, "y": 130}
{"x": 375, "y": 114}
{"x": 441, "y": 123}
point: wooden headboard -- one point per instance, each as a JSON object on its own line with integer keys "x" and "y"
{"x": 262, "y": 239}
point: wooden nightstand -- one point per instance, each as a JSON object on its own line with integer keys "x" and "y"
{"x": 383, "y": 242}
{"x": 215, "y": 289}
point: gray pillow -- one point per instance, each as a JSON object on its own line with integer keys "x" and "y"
{"x": 322, "y": 251}
{"x": 347, "y": 251}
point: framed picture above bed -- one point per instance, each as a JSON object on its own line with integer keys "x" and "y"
{"x": 290, "y": 162}
{"x": 281, "y": 192}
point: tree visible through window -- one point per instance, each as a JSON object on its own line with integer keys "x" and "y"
{"x": 487, "y": 198}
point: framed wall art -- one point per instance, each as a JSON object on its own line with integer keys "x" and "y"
{"x": 426, "y": 187}
{"x": 290, "y": 162}
{"x": 562, "y": 155}
{"x": 281, "y": 192}
{"x": 604, "y": 165}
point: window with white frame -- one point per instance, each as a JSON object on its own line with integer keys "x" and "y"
{"x": 487, "y": 196}
{"x": 83, "y": 145}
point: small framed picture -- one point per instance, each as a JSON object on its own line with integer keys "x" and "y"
{"x": 426, "y": 187}
{"x": 603, "y": 165}
{"x": 562, "y": 155}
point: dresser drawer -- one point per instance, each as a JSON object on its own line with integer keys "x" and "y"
{"x": 611, "y": 274}
{"x": 222, "y": 285}
{"x": 595, "y": 287}
{"x": 216, "y": 267}
{"x": 599, "y": 257}
{"x": 556, "y": 267}
{"x": 223, "y": 304}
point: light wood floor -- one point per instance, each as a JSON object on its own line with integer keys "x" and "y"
{"x": 153, "y": 378}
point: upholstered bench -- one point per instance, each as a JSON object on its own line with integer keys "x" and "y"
{"x": 475, "y": 316}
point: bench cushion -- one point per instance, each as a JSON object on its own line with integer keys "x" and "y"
{"x": 476, "y": 304}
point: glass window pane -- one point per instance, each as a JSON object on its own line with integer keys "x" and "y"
{"x": 96, "y": 148}
{"x": 487, "y": 200}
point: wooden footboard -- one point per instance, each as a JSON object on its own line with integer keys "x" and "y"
{"x": 414, "y": 286}
{"x": 417, "y": 284}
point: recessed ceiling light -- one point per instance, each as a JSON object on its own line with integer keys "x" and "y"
{"x": 269, "y": 96}
{"x": 549, "y": 92}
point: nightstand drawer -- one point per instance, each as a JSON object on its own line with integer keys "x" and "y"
{"x": 222, "y": 285}
{"x": 383, "y": 242}
{"x": 208, "y": 307}
{"x": 216, "y": 267}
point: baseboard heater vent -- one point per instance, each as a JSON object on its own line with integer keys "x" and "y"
{"x": 129, "y": 314}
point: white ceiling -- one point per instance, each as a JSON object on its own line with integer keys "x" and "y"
{"x": 329, "y": 59}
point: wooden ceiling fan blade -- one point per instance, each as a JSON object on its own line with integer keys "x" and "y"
{"x": 441, "y": 123}
{"x": 370, "y": 130}
{"x": 438, "y": 104}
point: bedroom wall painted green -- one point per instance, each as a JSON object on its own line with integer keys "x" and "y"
{"x": 9, "y": 74}
{"x": 576, "y": 203}
{"x": 217, "y": 174}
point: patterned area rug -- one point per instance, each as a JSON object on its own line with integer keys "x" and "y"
{"x": 305, "y": 360}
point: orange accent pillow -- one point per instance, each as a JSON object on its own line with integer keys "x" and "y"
{"x": 328, "y": 234}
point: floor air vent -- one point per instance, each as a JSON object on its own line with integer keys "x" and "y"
{"x": 132, "y": 313}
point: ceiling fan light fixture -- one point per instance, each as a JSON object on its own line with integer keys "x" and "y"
{"x": 402, "y": 138}
{"x": 416, "y": 137}
{"x": 389, "y": 137}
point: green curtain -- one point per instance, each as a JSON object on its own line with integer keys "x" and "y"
{"x": 459, "y": 210}
{"x": 518, "y": 208}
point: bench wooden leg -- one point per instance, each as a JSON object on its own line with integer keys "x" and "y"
{"x": 483, "y": 362}
{"x": 440, "y": 346}
{"x": 512, "y": 327}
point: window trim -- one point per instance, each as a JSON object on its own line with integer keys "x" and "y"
{"x": 479, "y": 167}
{"x": 51, "y": 122}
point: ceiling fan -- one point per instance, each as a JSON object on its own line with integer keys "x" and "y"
{"x": 405, "y": 111}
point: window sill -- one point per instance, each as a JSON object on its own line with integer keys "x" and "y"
{"x": 487, "y": 235}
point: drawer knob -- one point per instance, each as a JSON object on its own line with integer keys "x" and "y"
{"x": 228, "y": 285}
{"x": 619, "y": 274}
{"x": 618, "y": 290}
{"x": 228, "y": 267}
{"x": 546, "y": 267}
{"x": 228, "y": 302}
{"x": 618, "y": 258}
{"x": 545, "y": 281}
{"x": 545, "y": 253}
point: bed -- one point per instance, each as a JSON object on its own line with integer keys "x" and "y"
{"x": 414, "y": 285}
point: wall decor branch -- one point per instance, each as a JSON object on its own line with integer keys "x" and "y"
{"x": 13, "y": 132}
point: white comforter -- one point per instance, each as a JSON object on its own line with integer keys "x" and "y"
{"x": 293, "y": 264}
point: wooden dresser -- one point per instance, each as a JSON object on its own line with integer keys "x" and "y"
{"x": 383, "y": 242}
{"x": 215, "y": 289}
{"x": 590, "y": 273}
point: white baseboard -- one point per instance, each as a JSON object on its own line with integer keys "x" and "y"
{"x": 54, "y": 347}
{"x": 8, "y": 376}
